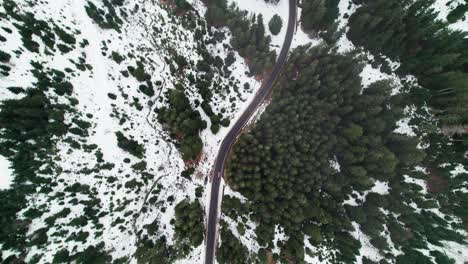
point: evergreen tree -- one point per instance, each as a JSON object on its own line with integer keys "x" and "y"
{"x": 275, "y": 24}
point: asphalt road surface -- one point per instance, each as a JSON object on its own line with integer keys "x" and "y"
{"x": 230, "y": 138}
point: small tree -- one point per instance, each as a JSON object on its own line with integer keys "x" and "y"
{"x": 275, "y": 25}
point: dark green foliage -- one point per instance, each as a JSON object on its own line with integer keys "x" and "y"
{"x": 158, "y": 252}
{"x": 183, "y": 5}
{"x": 199, "y": 192}
{"x": 233, "y": 207}
{"x": 139, "y": 166}
{"x": 33, "y": 117}
{"x": 183, "y": 122}
{"x": 139, "y": 72}
{"x": 117, "y": 57}
{"x": 275, "y": 24}
{"x": 441, "y": 258}
{"x": 78, "y": 188}
{"x": 62, "y": 256}
{"x": 4, "y": 57}
{"x": 30, "y": 26}
{"x": 64, "y": 36}
{"x": 130, "y": 145}
{"x": 231, "y": 249}
{"x": 187, "y": 173}
{"x": 118, "y": 2}
{"x": 189, "y": 224}
{"x": 410, "y": 33}
{"x": 112, "y": 96}
{"x": 106, "y": 19}
{"x": 147, "y": 89}
{"x": 39, "y": 237}
{"x": 63, "y": 88}
{"x": 318, "y": 112}
{"x": 458, "y": 13}
{"x": 248, "y": 34}
{"x": 250, "y": 40}
{"x": 16, "y": 90}
{"x": 230, "y": 59}
{"x": 64, "y": 48}
{"x": 12, "y": 230}
{"x": 51, "y": 219}
{"x": 412, "y": 256}
{"x": 93, "y": 254}
{"x": 347, "y": 246}
{"x": 319, "y": 14}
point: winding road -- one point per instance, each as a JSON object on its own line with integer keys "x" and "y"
{"x": 230, "y": 138}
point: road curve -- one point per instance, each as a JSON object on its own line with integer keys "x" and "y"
{"x": 230, "y": 138}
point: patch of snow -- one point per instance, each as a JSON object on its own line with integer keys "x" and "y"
{"x": 258, "y": 113}
{"x": 318, "y": 255}
{"x": 301, "y": 37}
{"x": 421, "y": 169}
{"x": 6, "y": 173}
{"x": 212, "y": 142}
{"x": 367, "y": 249}
{"x": 249, "y": 239}
{"x": 403, "y": 126}
{"x": 229, "y": 192}
{"x": 346, "y": 8}
{"x": 452, "y": 249}
{"x": 459, "y": 169}
{"x": 380, "y": 187}
{"x": 352, "y": 201}
{"x": 268, "y": 10}
{"x": 419, "y": 182}
{"x": 335, "y": 164}
{"x": 279, "y": 236}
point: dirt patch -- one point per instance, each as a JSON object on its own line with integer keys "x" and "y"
{"x": 270, "y": 258}
{"x": 435, "y": 182}
{"x": 194, "y": 162}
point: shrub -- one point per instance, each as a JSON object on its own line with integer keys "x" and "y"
{"x": 4, "y": 57}
{"x": 129, "y": 145}
{"x": 117, "y": 57}
{"x": 275, "y": 24}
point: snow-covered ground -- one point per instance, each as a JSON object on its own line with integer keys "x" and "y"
{"x": 268, "y": 10}
{"x": 379, "y": 187}
{"x": 443, "y": 8}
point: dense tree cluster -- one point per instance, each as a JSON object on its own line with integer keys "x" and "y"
{"x": 92, "y": 254}
{"x": 409, "y": 32}
{"x": 189, "y": 225}
{"x": 231, "y": 249}
{"x": 184, "y": 123}
{"x": 31, "y": 118}
{"x": 248, "y": 34}
{"x": 29, "y": 128}
{"x": 283, "y": 165}
{"x": 318, "y": 14}
{"x": 157, "y": 252}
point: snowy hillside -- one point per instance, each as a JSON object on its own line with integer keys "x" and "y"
{"x": 110, "y": 180}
